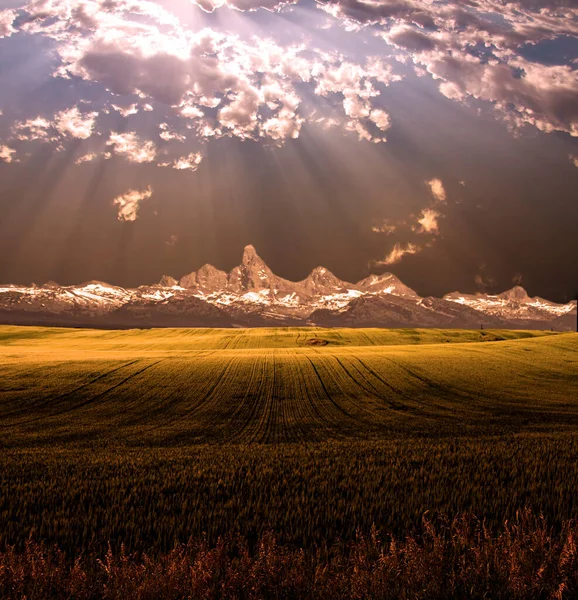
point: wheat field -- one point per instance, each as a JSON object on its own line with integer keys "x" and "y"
{"x": 151, "y": 438}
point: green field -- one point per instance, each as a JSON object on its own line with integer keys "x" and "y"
{"x": 150, "y": 437}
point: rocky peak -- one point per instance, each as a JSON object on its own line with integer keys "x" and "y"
{"x": 517, "y": 294}
{"x": 321, "y": 277}
{"x": 252, "y": 274}
{"x": 168, "y": 281}
{"x": 207, "y": 278}
{"x": 250, "y": 255}
{"x": 386, "y": 283}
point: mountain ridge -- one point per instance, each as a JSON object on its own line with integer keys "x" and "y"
{"x": 252, "y": 295}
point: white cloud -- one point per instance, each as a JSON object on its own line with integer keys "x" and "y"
{"x": 437, "y": 189}
{"x": 254, "y": 85}
{"x": 130, "y": 146}
{"x": 472, "y": 49}
{"x": 167, "y": 134}
{"x": 128, "y": 203}
{"x": 428, "y": 221}
{"x": 6, "y": 154}
{"x": 7, "y": 18}
{"x": 220, "y": 84}
{"x": 190, "y": 162}
{"x": 75, "y": 124}
{"x": 33, "y": 129}
{"x": 574, "y": 160}
{"x": 86, "y": 158}
{"x": 127, "y": 111}
{"x": 381, "y": 119}
{"x": 67, "y": 123}
{"x": 397, "y": 253}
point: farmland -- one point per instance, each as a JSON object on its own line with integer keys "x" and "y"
{"x": 149, "y": 438}
{"x": 191, "y": 387}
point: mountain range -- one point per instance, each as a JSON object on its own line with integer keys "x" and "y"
{"x": 251, "y": 295}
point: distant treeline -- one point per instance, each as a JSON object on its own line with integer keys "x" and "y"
{"x": 457, "y": 559}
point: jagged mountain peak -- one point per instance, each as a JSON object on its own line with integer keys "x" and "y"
{"x": 250, "y": 255}
{"x": 251, "y": 275}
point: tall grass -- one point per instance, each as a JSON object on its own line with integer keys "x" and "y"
{"x": 458, "y": 558}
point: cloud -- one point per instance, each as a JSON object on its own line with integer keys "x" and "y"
{"x": 130, "y": 146}
{"x": 574, "y": 160}
{"x": 33, "y": 129}
{"x": 242, "y": 5}
{"x": 384, "y": 227}
{"x": 167, "y": 134}
{"x": 6, "y": 154}
{"x": 127, "y": 111}
{"x": 86, "y": 158}
{"x": 128, "y": 203}
{"x": 409, "y": 38}
{"x": 190, "y": 162}
{"x": 381, "y": 119}
{"x": 69, "y": 123}
{"x": 437, "y": 189}
{"x": 210, "y": 83}
{"x": 428, "y": 221}
{"x": 255, "y": 86}
{"x": 524, "y": 93}
{"x": 473, "y": 50}
{"x": 75, "y": 124}
{"x": 7, "y": 18}
{"x": 397, "y": 253}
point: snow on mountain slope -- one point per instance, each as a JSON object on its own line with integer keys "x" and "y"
{"x": 252, "y": 295}
{"x": 514, "y": 303}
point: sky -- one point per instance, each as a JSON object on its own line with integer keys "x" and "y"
{"x": 437, "y": 140}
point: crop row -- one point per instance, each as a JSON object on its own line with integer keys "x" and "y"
{"x": 292, "y": 396}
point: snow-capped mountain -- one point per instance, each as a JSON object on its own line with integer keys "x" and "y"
{"x": 252, "y": 295}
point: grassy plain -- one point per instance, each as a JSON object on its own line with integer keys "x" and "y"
{"x": 151, "y": 437}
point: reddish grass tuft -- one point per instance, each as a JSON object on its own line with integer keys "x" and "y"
{"x": 457, "y": 558}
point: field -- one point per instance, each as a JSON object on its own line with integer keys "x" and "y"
{"x": 151, "y": 438}
{"x": 192, "y": 387}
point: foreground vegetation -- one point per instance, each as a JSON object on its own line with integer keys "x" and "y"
{"x": 457, "y": 559}
{"x": 278, "y": 452}
{"x": 309, "y": 494}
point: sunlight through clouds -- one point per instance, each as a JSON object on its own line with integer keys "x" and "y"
{"x": 347, "y": 123}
